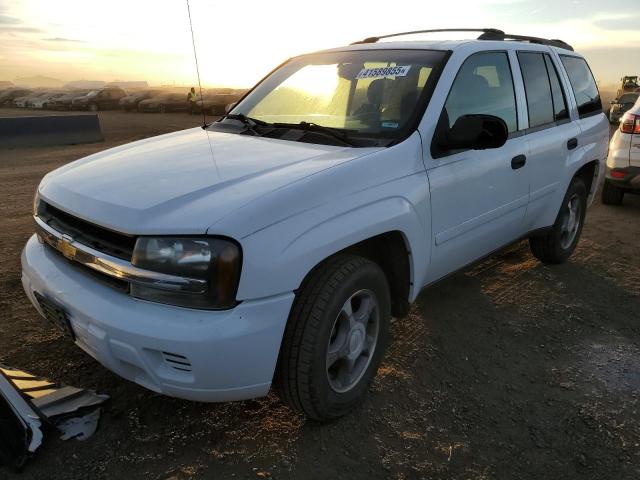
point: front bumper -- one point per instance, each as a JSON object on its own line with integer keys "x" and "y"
{"x": 198, "y": 355}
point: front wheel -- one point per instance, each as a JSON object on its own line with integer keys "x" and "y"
{"x": 335, "y": 338}
{"x": 558, "y": 244}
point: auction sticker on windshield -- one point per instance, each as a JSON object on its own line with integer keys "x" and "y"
{"x": 398, "y": 71}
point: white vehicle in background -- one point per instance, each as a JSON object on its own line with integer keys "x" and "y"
{"x": 623, "y": 162}
{"x": 21, "y": 102}
{"x": 271, "y": 247}
{"x": 43, "y": 100}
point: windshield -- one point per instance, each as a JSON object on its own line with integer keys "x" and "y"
{"x": 375, "y": 94}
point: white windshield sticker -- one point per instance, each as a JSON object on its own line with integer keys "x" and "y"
{"x": 399, "y": 71}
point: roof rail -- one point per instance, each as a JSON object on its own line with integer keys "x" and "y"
{"x": 498, "y": 35}
{"x": 438, "y": 30}
{"x": 486, "y": 34}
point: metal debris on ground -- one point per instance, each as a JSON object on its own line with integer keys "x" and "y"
{"x": 29, "y": 403}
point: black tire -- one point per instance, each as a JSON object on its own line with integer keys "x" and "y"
{"x": 549, "y": 248}
{"x": 302, "y": 379}
{"x": 611, "y": 195}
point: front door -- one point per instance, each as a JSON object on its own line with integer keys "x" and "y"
{"x": 478, "y": 197}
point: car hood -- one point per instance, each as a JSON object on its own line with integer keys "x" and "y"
{"x": 185, "y": 181}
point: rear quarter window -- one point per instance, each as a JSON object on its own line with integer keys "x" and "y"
{"x": 583, "y": 85}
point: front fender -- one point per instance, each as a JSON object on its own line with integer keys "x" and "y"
{"x": 277, "y": 259}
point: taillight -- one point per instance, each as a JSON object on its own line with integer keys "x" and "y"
{"x": 617, "y": 173}
{"x": 630, "y": 123}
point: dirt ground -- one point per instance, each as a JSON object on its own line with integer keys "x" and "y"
{"x": 507, "y": 370}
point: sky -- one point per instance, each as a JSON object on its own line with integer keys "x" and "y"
{"x": 238, "y": 42}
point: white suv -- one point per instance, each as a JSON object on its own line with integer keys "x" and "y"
{"x": 623, "y": 162}
{"x": 272, "y": 246}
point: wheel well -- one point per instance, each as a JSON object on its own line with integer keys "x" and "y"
{"x": 390, "y": 252}
{"x": 587, "y": 173}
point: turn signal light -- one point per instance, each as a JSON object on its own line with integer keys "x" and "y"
{"x": 630, "y": 123}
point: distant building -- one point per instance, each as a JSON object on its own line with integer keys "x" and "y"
{"x": 38, "y": 81}
{"x": 85, "y": 84}
{"x": 129, "y": 85}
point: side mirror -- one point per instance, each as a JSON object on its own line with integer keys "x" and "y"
{"x": 476, "y": 132}
{"x": 229, "y": 107}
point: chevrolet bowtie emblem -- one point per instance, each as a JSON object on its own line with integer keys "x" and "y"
{"x": 66, "y": 248}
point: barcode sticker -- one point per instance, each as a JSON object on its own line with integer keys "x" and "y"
{"x": 398, "y": 71}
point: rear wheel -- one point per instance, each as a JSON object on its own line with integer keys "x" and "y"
{"x": 335, "y": 338}
{"x": 611, "y": 195}
{"x": 558, "y": 244}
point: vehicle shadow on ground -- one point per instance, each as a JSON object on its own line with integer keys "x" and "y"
{"x": 510, "y": 369}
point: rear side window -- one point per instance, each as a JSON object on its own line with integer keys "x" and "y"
{"x": 537, "y": 88}
{"x": 560, "y": 111}
{"x": 484, "y": 85}
{"x": 583, "y": 85}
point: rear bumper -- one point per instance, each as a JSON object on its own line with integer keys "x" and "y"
{"x": 193, "y": 354}
{"x": 630, "y": 180}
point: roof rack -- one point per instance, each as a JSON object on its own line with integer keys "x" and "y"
{"x": 486, "y": 34}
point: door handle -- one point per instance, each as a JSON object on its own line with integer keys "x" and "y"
{"x": 518, "y": 162}
{"x": 572, "y": 143}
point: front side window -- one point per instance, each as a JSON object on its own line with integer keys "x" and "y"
{"x": 484, "y": 85}
{"x": 370, "y": 96}
{"x": 583, "y": 85}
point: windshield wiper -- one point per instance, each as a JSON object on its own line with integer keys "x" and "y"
{"x": 249, "y": 122}
{"x": 314, "y": 127}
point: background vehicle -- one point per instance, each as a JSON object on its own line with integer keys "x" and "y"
{"x": 215, "y": 103}
{"x": 628, "y": 84}
{"x": 131, "y": 101}
{"x": 290, "y": 230}
{"x": 104, "y": 99}
{"x": 65, "y": 101}
{"x": 620, "y": 105}
{"x": 43, "y": 100}
{"x": 167, "y": 102}
{"x": 7, "y": 97}
{"x": 623, "y": 162}
{"x": 21, "y": 102}
{"x": 29, "y": 99}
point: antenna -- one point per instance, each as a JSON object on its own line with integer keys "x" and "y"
{"x": 195, "y": 56}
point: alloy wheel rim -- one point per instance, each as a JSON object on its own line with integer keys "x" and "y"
{"x": 353, "y": 341}
{"x": 570, "y": 222}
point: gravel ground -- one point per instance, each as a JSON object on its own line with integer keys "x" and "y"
{"x": 507, "y": 370}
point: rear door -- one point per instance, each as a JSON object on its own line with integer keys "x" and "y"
{"x": 550, "y": 134}
{"x": 478, "y": 197}
{"x": 594, "y": 125}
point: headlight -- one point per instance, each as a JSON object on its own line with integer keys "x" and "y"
{"x": 215, "y": 260}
